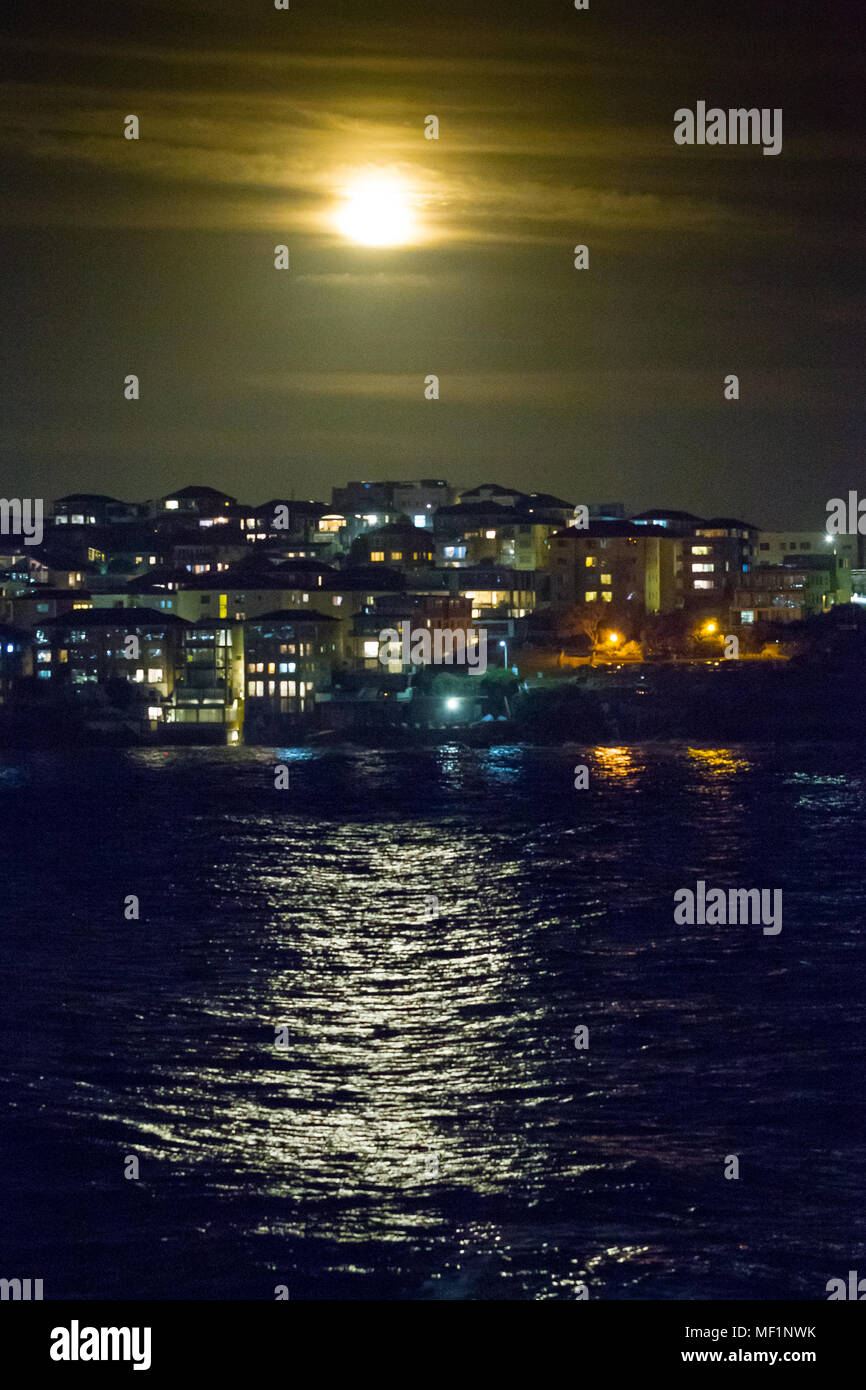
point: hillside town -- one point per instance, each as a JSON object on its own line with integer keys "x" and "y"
{"x": 196, "y": 618}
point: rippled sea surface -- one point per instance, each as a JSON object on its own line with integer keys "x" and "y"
{"x": 428, "y": 928}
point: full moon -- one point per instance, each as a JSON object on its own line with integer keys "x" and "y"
{"x": 376, "y": 212}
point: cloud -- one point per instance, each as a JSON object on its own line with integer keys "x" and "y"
{"x": 230, "y": 154}
{"x": 625, "y": 389}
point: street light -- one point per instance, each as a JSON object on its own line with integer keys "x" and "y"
{"x": 613, "y": 638}
{"x": 505, "y": 658}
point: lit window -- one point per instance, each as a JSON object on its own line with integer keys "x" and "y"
{"x": 591, "y": 595}
{"x": 154, "y": 712}
{"x": 490, "y": 535}
{"x": 377, "y": 555}
{"x": 606, "y": 596}
{"x": 260, "y": 666}
{"x": 702, "y": 569}
{"x": 337, "y": 600}
{"x": 420, "y": 520}
{"x": 251, "y": 666}
{"x": 271, "y": 667}
{"x": 371, "y": 649}
{"x": 139, "y": 675}
{"x": 396, "y": 555}
{"x": 154, "y": 674}
{"x": 590, "y": 561}
{"x": 272, "y": 685}
{"x": 172, "y": 504}
{"x": 747, "y": 615}
{"x": 284, "y": 688}
{"x": 704, "y": 584}
{"x": 701, "y": 550}
{"x": 606, "y": 579}
{"x": 291, "y": 687}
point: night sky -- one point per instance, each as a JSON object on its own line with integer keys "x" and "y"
{"x": 556, "y": 128}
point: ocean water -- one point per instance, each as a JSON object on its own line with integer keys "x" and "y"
{"x": 428, "y": 929}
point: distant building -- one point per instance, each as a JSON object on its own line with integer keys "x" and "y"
{"x": 382, "y": 502}
{"x": 40, "y": 603}
{"x": 285, "y": 524}
{"x": 784, "y": 593}
{"x": 244, "y": 591}
{"x": 93, "y": 509}
{"x": 207, "y": 502}
{"x": 616, "y": 571}
{"x": 788, "y": 547}
{"x": 607, "y": 511}
{"x": 718, "y": 554}
{"x": 83, "y": 652}
{"x": 209, "y": 688}
{"x": 431, "y": 612}
{"x": 401, "y": 545}
{"x": 16, "y": 658}
{"x": 540, "y": 506}
{"x": 289, "y": 658}
{"x": 675, "y": 523}
{"x": 483, "y": 532}
{"x": 490, "y": 492}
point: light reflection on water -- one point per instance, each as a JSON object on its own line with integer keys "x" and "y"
{"x": 430, "y": 1130}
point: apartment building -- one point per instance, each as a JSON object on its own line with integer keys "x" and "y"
{"x": 289, "y": 659}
